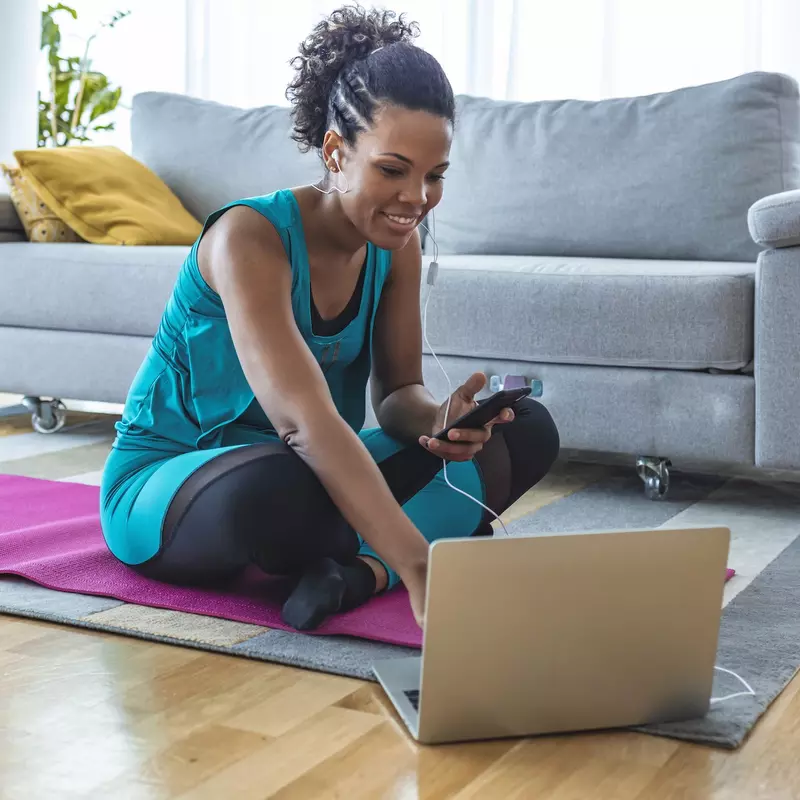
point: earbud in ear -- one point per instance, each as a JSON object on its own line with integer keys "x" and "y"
{"x": 335, "y": 167}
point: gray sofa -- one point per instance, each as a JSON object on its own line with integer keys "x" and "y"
{"x": 600, "y": 247}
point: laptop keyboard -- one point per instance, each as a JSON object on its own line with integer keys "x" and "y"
{"x": 413, "y": 697}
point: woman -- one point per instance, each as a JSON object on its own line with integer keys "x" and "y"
{"x": 241, "y": 439}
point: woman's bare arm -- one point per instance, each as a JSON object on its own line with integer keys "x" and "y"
{"x": 243, "y": 260}
{"x": 403, "y": 406}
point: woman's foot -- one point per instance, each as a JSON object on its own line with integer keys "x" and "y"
{"x": 327, "y": 588}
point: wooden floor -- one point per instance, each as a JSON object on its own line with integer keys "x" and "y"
{"x": 96, "y": 716}
{"x": 90, "y": 715}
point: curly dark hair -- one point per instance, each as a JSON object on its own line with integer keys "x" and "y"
{"x": 353, "y": 61}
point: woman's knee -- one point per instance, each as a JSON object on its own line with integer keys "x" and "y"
{"x": 534, "y": 431}
{"x": 285, "y": 516}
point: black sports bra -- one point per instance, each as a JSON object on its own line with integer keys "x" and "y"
{"x": 330, "y": 327}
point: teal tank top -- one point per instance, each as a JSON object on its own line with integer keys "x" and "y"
{"x": 190, "y": 392}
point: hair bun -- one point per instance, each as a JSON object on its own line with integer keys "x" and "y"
{"x": 348, "y": 34}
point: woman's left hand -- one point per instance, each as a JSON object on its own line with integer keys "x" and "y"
{"x": 464, "y": 443}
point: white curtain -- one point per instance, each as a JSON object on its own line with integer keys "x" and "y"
{"x": 238, "y": 51}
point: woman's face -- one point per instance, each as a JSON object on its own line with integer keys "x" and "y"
{"x": 394, "y": 174}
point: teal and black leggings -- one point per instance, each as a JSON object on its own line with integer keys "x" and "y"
{"x": 263, "y": 505}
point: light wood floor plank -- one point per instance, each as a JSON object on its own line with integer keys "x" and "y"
{"x": 307, "y": 695}
{"x": 182, "y": 765}
{"x": 284, "y": 760}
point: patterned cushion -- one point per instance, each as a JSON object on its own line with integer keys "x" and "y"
{"x": 38, "y": 220}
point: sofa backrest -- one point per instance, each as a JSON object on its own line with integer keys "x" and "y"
{"x": 667, "y": 176}
{"x": 210, "y": 154}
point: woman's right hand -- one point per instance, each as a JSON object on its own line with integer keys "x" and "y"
{"x": 416, "y": 581}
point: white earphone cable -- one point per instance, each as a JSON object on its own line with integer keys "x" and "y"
{"x": 433, "y": 269}
{"x": 333, "y": 187}
{"x": 739, "y": 678}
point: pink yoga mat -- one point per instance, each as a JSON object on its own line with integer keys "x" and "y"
{"x": 50, "y": 533}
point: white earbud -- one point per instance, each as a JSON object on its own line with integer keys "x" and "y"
{"x": 338, "y": 168}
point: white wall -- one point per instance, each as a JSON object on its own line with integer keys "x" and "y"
{"x": 237, "y": 51}
{"x": 19, "y": 57}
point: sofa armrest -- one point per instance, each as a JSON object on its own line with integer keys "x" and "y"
{"x": 777, "y": 359}
{"x": 774, "y": 221}
{"x": 9, "y": 221}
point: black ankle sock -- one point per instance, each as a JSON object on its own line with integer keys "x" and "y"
{"x": 326, "y": 588}
{"x": 360, "y": 584}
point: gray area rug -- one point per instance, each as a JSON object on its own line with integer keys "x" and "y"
{"x": 759, "y": 640}
{"x": 760, "y": 631}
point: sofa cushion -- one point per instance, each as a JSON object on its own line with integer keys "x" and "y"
{"x": 665, "y": 314}
{"x": 668, "y": 176}
{"x": 210, "y": 154}
{"x": 87, "y": 287}
{"x": 678, "y": 315}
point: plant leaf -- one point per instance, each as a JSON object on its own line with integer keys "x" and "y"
{"x": 51, "y": 33}
{"x": 44, "y": 122}
{"x": 110, "y": 127}
{"x": 105, "y": 102}
{"x": 64, "y": 123}
{"x": 64, "y": 82}
{"x": 61, "y": 7}
{"x": 94, "y": 84}
{"x": 95, "y": 81}
{"x": 120, "y": 15}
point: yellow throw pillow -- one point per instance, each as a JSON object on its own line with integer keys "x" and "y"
{"x": 107, "y": 197}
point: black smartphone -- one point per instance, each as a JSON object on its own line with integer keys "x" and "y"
{"x": 485, "y": 411}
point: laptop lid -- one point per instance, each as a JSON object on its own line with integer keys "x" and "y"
{"x": 542, "y": 634}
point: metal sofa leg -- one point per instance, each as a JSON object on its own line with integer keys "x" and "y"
{"x": 47, "y": 416}
{"x": 654, "y": 472}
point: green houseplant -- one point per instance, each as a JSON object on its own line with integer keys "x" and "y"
{"x": 78, "y": 95}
